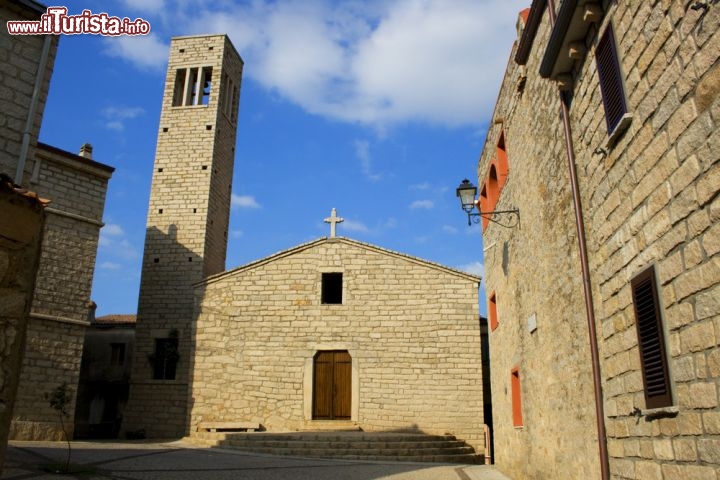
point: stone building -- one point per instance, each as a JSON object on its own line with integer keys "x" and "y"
{"x": 76, "y": 187}
{"x": 27, "y": 63}
{"x": 20, "y": 235}
{"x": 187, "y": 225}
{"x": 104, "y": 376}
{"x": 604, "y": 300}
{"x": 339, "y": 331}
{"x": 27, "y": 68}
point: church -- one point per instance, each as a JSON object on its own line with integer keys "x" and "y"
{"x": 339, "y": 330}
{"x": 331, "y": 334}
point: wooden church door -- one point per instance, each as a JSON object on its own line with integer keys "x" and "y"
{"x": 332, "y": 389}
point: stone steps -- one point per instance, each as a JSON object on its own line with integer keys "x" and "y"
{"x": 404, "y": 447}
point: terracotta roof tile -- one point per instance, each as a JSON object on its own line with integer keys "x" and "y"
{"x": 7, "y": 184}
{"x": 116, "y": 319}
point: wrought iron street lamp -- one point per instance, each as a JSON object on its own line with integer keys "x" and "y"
{"x": 467, "y": 192}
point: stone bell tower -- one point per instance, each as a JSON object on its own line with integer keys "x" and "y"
{"x": 187, "y": 225}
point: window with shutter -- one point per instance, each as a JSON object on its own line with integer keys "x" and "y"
{"x": 492, "y": 311}
{"x": 611, "y": 83}
{"x": 651, "y": 340}
{"x": 516, "y": 397}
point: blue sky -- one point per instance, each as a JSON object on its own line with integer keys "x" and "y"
{"x": 376, "y": 108}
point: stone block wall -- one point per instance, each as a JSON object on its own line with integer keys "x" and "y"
{"x": 534, "y": 271}
{"x": 20, "y": 240}
{"x": 653, "y": 200}
{"x": 187, "y": 226}
{"x": 411, "y": 328}
{"x": 76, "y": 187}
{"x": 20, "y": 57}
{"x": 52, "y": 357}
{"x": 649, "y": 198}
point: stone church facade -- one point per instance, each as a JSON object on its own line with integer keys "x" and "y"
{"x": 603, "y": 303}
{"x": 339, "y": 330}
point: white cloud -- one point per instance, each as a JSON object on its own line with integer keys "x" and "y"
{"x": 108, "y": 232}
{"x": 474, "y": 268}
{"x": 390, "y": 223}
{"x": 146, "y": 52}
{"x": 354, "y": 226}
{"x": 110, "y": 266}
{"x": 420, "y": 186}
{"x": 125, "y": 250}
{"x": 114, "y": 243}
{"x": 244, "y": 201}
{"x": 378, "y": 62}
{"x": 116, "y": 115}
{"x": 237, "y": 233}
{"x": 449, "y": 229}
{"x": 362, "y": 152}
{"x": 149, "y": 6}
{"x": 426, "y": 204}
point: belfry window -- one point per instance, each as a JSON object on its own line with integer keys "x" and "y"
{"x": 193, "y": 86}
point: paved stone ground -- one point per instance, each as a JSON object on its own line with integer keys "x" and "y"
{"x": 180, "y": 461}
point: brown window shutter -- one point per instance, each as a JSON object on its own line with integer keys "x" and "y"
{"x": 611, "y": 85}
{"x": 651, "y": 340}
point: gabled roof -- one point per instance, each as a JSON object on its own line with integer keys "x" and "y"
{"x": 348, "y": 241}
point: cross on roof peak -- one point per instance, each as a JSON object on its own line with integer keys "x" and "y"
{"x": 333, "y": 220}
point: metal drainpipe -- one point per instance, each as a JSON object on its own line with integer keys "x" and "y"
{"x": 488, "y": 443}
{"x": 589, "y": 307}
{"x": 31, "y": 112}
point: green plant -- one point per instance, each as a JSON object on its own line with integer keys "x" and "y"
{"x": 60, "y": 399}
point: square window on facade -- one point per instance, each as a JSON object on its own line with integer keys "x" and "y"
{"x": 332, "y": 287}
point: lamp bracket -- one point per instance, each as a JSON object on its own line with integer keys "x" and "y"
{"x": 504, "y": 218}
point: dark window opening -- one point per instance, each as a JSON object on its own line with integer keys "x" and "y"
{"x": 206, "y": 85}
{"x": 164, "y": 359}
{"x": 180, "y": 76}
{"x": 611, "y": 83}
{"x": 117, "y": 354}
{"x": 651, "y": 340}
{"x": 332, "y": 287}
